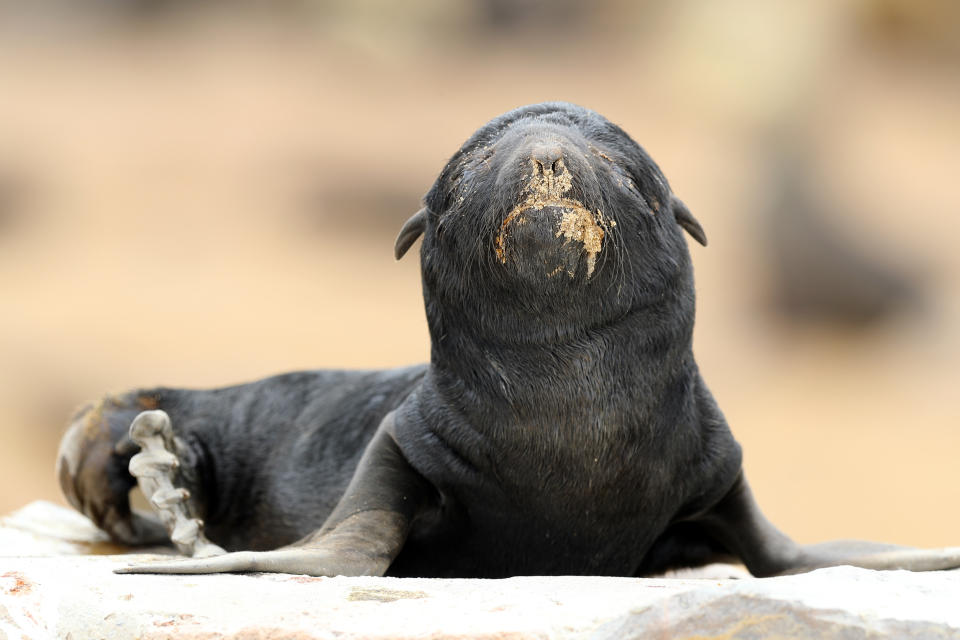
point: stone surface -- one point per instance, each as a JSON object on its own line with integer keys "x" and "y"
{"x": 48, "y": 590}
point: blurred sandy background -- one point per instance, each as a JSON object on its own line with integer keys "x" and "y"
{"x": 196, "y": 197}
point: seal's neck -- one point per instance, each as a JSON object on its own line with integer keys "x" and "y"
{"x": 565, "y": 363}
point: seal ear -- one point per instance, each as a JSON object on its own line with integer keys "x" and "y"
{"x": 411, "y": 230}
{"x": 686, "y": 220}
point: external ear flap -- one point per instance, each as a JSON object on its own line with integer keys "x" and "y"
{"x": 412, "y": 229}
{"x": 686, "y": 220}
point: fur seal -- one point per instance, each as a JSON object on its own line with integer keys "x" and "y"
{"x": 561, "y": 427}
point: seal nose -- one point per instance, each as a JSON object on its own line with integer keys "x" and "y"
{"x": 547, "y": 159}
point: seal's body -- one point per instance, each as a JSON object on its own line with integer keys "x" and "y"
{"x": 561, "y": 427}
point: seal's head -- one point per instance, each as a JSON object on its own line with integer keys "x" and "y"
{"x": 550, "y": 203}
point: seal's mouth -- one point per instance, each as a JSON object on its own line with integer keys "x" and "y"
{"x": 574, "y": 223}
{"x": 545, "y": 192}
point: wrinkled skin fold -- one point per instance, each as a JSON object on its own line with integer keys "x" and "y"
{"x": 561, "y": 427}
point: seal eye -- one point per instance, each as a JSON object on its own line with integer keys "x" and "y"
{"x": 623, "y": 179}
{"x": 621, "y": 175}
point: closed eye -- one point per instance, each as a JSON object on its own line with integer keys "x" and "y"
{"x": 620, "y": 175}
{"x": 623, "y": 179}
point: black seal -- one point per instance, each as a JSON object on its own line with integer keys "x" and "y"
{"x": 561, "y": 427}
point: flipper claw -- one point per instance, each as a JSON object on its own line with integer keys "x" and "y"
{"x": 166, "y": 498}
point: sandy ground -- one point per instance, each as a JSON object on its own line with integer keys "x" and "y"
{"x": 217, "y": 205}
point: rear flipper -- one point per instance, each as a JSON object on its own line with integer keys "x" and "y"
{"x": 92, "y": 468}
{"x": 156, "y": 469}
{"x": 737, "y": 523}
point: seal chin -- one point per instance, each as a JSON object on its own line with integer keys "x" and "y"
{"x": 548, "y": 239}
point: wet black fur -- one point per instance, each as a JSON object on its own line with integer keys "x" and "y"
{"x": 562, "y": 420}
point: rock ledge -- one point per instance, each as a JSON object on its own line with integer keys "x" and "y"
{"x": 47, "y": 591}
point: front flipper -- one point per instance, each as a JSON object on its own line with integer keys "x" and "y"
{"x": 364, "y": 544}
{"x": 871, "y": 555}
{"x": 738, "y": 524}
{"x": 362, "y": 536}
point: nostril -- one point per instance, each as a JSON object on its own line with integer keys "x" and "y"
{"x": 547, "y": 160}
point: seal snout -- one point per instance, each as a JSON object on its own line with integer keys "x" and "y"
{"x": 549, "y": 226}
